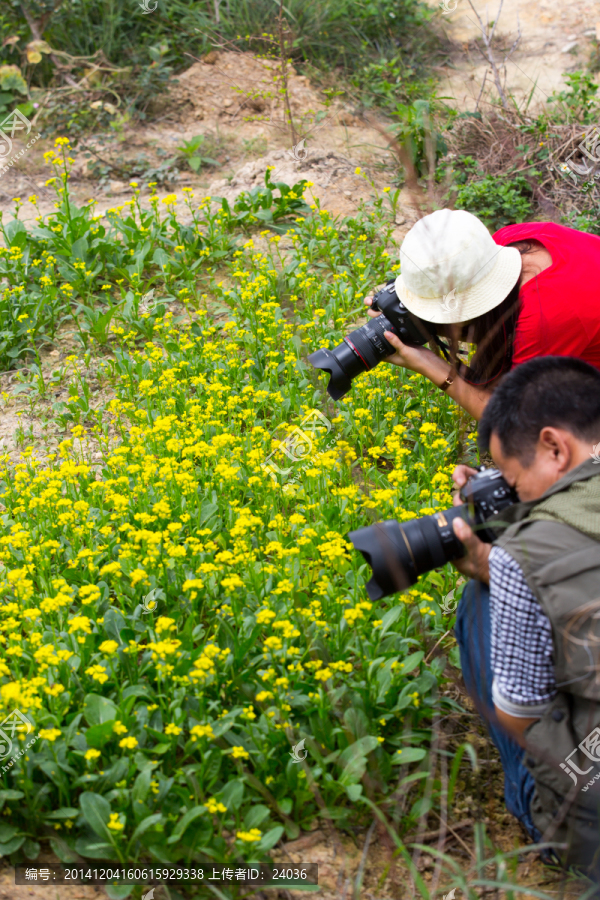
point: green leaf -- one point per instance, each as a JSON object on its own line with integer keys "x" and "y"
{"x": 11, "y": 846}
{"x": 256, "y": 815}
{"x": 145, "y": 824}
{"x": 411, "y": 662}
{"x": 232, "y": 794}
{"x": 353, "y": 771}
{"x": 15, "y": 231}
{"x": 7, "y": 832}
{"x": 408, "y": 755}
{"x": 65, "y": 812}
{"x": 388, "y": 619}
{"x": 359, "y": 748}
{"x": 11, "y": 79}
{"x": 185, "y": 820}
{"x": 141, "y": 787}
{"x": 160, "y": 257}
{"x": 207, "y": 511}
{"x": 62, "y": 850}
{"x": 98, "y": 735}
{"x": 90, "y": 847}
{"x": 31, "y": 849}
{"x": 96, "y": 812}
{"x": 10, "y": 794}
{"x": 269, "y": 839}
{"x": 99, "y": 709}
{"x": 354, "y": 791}
{"x": 118, "y": 891}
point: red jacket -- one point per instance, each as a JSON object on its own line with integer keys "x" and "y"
{"x": 560, "y": 307}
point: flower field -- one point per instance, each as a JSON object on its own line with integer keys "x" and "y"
{"x": 177, "y": 617}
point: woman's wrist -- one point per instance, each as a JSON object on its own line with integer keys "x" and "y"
{"x": 434, "y": 368}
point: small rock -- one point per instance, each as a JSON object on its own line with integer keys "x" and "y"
{"x": 118, "y": 187}
{"x": 569, "y": 46}
{"x": 348, "y": 193}
{"x": 211, "y": 58}
{"x": 227, "y": 103}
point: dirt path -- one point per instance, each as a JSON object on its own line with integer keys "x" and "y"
{"x": 555, "y": 39}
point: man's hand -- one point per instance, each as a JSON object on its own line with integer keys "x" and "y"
{"x": 460, "y": 476}
{"x": 475, "y": 562}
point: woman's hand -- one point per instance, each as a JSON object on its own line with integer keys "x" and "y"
{"x": 418, "y": 359}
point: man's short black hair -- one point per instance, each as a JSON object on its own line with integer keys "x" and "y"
{"x": 555, "y": 391}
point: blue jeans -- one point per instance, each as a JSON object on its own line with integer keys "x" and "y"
{"x": 473, "y": 634}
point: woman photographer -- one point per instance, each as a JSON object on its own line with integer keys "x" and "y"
{"x": 530, "y": 290}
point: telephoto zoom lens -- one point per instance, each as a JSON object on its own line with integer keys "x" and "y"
{"x": 360, "y": 351}
{"x": 366, "y": 347}
{"x": 399, "y": 553}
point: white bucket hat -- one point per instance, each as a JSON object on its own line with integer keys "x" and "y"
{"x": 452, "y": 269}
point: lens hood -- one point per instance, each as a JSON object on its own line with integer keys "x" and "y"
{"x": 339, "y": 383}
{"x": 389, "y": 555}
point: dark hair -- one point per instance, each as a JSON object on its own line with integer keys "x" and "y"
{"x": 555, "y": 391}
{"x": 493, "y": 333}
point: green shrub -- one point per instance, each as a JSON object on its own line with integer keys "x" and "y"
{"x": 497, "y": 201}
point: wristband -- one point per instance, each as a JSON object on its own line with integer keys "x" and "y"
{"x": 449, "y": 380}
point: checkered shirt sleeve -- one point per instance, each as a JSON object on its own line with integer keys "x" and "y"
{"x": 521, "y": 639}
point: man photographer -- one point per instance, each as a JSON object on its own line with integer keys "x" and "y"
{"x": 528, "y": 626}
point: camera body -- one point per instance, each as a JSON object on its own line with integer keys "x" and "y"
{"x": 409, "y": 328}
{"x": 399, "y": 553}
{"x": 366, "y": 347}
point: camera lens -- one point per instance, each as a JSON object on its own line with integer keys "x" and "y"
{"x": 400, "y": 553}
{"x": 365, "y": 347}
{"x": 360, "y": 351}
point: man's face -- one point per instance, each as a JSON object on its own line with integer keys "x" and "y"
{"x": 545, "y": 469}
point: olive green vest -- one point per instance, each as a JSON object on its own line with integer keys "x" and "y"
{"x": 556, "y": 541}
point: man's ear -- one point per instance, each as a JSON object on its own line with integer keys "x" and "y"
{"x": 555, "y": 442}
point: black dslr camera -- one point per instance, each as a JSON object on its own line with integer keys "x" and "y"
{"x": 399, "y": 553}
{"x": 364, "y": 348}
